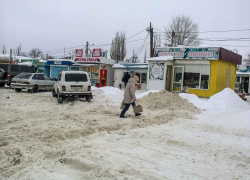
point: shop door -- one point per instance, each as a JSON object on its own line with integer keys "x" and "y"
{"x": 228, "y": 77}
{"x": 103, "y": 77}
{"x": 177, "y": 82}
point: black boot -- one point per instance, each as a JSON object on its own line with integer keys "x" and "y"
{"x": 123, "y": 117}
{"x": 137, "y": 114}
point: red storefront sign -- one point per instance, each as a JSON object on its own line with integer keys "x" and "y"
{"x": 79, "y": 53}
{"x": 87, "y": 59}
{"x": 97, "y": 52}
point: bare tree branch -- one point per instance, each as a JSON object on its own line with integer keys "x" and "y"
{"x": 184, "y": 28}
{"x": 247, "y": 61}
{"x": 118, "y": 48}
{"x": 35, "y": 52}
{"x": 4, "y": 49}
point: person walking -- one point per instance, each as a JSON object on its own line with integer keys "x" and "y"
{"x": 129, "y": 95}
{"x": 125, "y": 78}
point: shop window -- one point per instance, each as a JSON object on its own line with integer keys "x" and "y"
{"x": 192, "y": 76}
{"x": 178, "y": 74}
{"x": 139, "y": 76}
{"x": 94, "y": 73}
{"x": 205, "y": 71}
{"x": 237, "y": 79}
{"x": 144, "y": 78}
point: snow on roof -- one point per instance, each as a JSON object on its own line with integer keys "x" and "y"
{"x": 243, "y": 73}
{"x": 22, "y": 57}
{"x": 26, "y": 63}
{"x": 4, "y": 55}
{"x": 130, "y": 66}
{"x": 161, "y": 58}
{"x": 60, "y": 60}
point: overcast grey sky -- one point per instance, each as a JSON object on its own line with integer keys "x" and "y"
{"x": 53, "y": 24}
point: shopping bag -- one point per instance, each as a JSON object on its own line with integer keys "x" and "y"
{"x": 137, "y": 108}
{"x": 122, "y": 105}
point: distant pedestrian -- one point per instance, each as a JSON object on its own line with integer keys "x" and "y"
{"x": 129, "y": 95}
{"x": 125, "y": 78}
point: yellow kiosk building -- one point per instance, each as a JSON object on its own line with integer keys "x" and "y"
{"x": 202, "y": 71}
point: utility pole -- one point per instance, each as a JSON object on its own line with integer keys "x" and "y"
{"x": 10, "y": 56}
{"x": 145, "y": 56}
{"x": 133, "y": 58}
{"x": 151, "y": 41}
{"x": 87, "y": 48}
{"x": 64, "y": 52}
{"x": 172, "y": 40}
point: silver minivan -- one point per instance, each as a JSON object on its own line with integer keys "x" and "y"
{"x": 32, "y": 81}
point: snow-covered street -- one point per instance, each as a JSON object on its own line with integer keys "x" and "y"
{"x": 41, "y": 139}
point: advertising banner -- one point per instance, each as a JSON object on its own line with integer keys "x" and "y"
{"x": 87, "y": 59}
{"x": 97, "y": 52}
{"x": 100, "y": 53}
{"x": 79, "y": 53}
{"x": 156, "y": 71}
{"x": 189, "y": 53}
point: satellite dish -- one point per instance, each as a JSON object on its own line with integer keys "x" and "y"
{"x": 235, "y": 51}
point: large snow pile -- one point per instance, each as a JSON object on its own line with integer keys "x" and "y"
{"x": 226, "y": 100}
{"x": 166, "y": 100}
{"x": 145, "y": 93}
{"x": 109, "y": 92}
{"x": 108, "y": 95}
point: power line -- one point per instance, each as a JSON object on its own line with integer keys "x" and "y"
{"x": 90, "y": 45}
{"x": 234, "y": 30}
{"x": 99, "y": 44}
{"x": 136, "y": 34}
{"x": 225, "y": 45}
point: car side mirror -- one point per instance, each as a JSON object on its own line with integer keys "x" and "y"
{"x": 54, "y": 79}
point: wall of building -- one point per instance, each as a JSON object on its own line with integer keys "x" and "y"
{"x": 217, "y": 82}
{"x": 222, "y": 73}
{"x": 118, "y": 74}
{"x": 110, "y": 75}
{"x": 54, "y": 70}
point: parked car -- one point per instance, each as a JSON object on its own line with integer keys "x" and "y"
{"x": 32, "y": 81}
{"x": 8, "y": 71}
{"x": 74, "y": 84}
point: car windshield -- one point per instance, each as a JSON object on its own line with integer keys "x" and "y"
{"x": 24, "y": 76}
{"x": 76, "y": 77}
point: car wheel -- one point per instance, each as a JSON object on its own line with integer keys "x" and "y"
{"x": 54, "y": 93}
{"x": 18, "y": 90}
{"x": 59, "y": 99}
{"x": 88, "y": 99}
{"x": 35, "y": 89}
{"x": 2, "y": 84}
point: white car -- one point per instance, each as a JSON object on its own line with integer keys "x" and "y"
{"x": 74, "y": 84}
{"x": 32, "y": 81}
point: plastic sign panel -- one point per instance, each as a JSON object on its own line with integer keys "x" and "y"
{"x": 79, "y": 53}
{"x": 97, "y": 52}
{"x": 156, "y": 71}
{"x": 102, "y": 54}
{"x": 189, "y": 53}
{"x": 87, "y": 59}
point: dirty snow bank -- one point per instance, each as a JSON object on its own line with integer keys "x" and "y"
{"x": 168, "y": 101}
{"x": 226, "y": 100}
{"x": 141, "y": 95}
